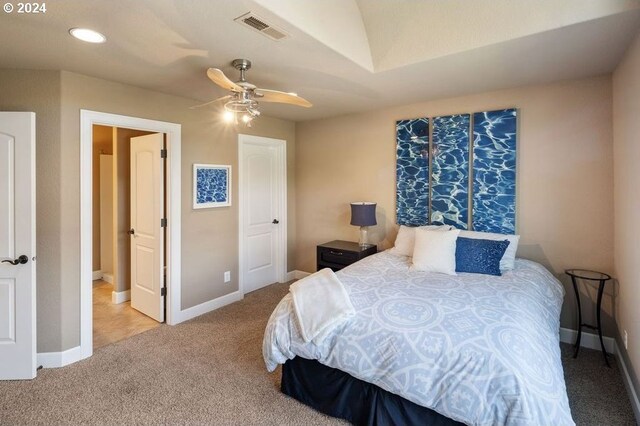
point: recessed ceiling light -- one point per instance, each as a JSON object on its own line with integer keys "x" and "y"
{"x": 87, "y": 35}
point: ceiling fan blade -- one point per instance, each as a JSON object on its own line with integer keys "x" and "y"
{"x": 211, "y": 102}
{"x": 222, "y": 80}
{"x": 282, "y": 97}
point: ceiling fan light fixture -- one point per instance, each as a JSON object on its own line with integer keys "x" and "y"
{"x": 85, "y": 34}
{"x": 228, "y": 116}
{"x": 241, "y": 102}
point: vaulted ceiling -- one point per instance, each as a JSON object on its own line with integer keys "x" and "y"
{"x": 342, "y": 55}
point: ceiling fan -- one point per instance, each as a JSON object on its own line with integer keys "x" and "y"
{"x": 243, "y": 100}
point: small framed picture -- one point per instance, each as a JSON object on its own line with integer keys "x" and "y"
{"x": 211, "y": 186}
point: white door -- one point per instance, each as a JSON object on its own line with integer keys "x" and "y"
{"x": 262, "y": 197}
{"x": 17, "y": 246}
{"x": 147, "y": 232}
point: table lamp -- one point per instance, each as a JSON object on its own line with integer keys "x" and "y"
{"x": 363, "y": 214}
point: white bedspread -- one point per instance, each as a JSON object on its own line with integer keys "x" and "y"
{"x": 479, "y": 349}
{"x": 320, "y": 303}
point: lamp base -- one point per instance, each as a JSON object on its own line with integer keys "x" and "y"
{"x": 363, "y": 241}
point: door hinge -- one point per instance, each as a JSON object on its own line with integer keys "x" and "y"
{"x": 163, "y": 291}
{"x": 163, "y": 153}
{"x": 163, "y": 222}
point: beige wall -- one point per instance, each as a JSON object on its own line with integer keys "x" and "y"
{"x": 39, "y": 91}
{"x": 102, "y": 144}
{"x": 209, "y": 236}
{"x": 106, "y": 216}
{"x": 565, "y": 175}
{"x": 626, "y": 151}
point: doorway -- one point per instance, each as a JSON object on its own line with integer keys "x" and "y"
{"x": 263, "y": 211}
{"x": 171, "y": 221}
{"x": 120, "y": 310}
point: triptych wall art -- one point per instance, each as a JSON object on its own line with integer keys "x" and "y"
{"x": 211, "y": 186}
{"x": 456, "y": 177}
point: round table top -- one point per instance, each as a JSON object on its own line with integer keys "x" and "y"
{"x": 586, "y": 274}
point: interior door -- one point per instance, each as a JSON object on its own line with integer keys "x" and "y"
{"x": 261, "y": 215}
{"x": 17, "y": 246}
{"x": 147, "y": 232}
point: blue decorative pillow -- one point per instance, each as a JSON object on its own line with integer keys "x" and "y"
{"x": 479, "y": 256}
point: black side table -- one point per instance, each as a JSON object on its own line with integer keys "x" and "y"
{"x": 339, "y": 254}
{"x": 590, "y": 276}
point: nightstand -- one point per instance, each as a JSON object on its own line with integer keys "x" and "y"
{"x": 337, "y": 254}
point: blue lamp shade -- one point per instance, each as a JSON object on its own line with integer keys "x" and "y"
{"x": 363, "y": 213}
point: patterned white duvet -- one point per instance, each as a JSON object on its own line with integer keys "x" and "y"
{"x": 479, "y": 349}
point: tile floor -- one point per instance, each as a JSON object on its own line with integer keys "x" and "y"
{"x": 112, "y": 323}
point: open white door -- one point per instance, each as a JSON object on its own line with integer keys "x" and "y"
{"x": 262, "y": 210}
{"x": 147, "y": 231}
{"x": 17, "y": 246}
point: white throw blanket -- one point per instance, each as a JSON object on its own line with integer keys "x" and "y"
{"x": 321, "y": 303}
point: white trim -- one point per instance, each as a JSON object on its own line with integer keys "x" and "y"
{"x": 174, "y": 204}
{"x": 296, "y": 275}
{"x": 97, "y": 275}
{"x": 280, "y": 146}
{"x": 300, "y": 274}
{"x": 107, "y": 278}
{"x": 587, "y": 340}
{"x": 209, "y": 306}
{"x": 60, "y": 359}
{"x": 118, "y": 297}
{"x": 633, "y": 396}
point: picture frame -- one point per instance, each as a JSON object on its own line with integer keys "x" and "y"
{"x": 211, "y": 186}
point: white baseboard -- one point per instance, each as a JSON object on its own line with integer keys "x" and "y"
{"x": 626, "y": 378}
{"x": 300, "y": 274}
{"x": 108, "y": 278}
{"x": 296, "y": 275}
{"x": 118, "y": 297}
{"x": 587, "y": 340}
{"x": 97, "y": 275}
{"x": 209, "y": 306}
{"x": 59, "y": 359}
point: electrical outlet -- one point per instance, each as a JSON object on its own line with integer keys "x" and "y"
{"x": 227, "y": 276}
{"x": 626, "y": 340}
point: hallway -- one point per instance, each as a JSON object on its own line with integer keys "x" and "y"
{"x": 112, "y": 323}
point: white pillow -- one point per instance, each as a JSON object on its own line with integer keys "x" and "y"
{"x": 507, "y": 262}
{"x": 435, "y": 251}
{"x": 406, "y": 238}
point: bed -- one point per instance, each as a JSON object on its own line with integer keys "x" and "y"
{"x": 473, "y": 348}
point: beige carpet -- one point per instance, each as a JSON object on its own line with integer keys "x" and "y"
{"x": 210, "y": 370}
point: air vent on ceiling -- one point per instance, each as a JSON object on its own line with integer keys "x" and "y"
{"x": 260, "y": 25}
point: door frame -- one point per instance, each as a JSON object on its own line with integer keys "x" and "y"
{"x": 173, "y": 190}
{"x": 280, "y": 146}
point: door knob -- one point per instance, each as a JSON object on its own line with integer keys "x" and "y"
{"x": 275, "y": 221}
{"x": 132, "y": 231}
{"x": 19, "y": 261}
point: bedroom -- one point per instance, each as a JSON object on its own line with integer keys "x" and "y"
{"x": 570, "y": 71}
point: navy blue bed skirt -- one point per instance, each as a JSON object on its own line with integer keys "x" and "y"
{"x": 339, "y": 394}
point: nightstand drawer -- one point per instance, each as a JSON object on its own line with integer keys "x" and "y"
{"x": 338, "y": 256}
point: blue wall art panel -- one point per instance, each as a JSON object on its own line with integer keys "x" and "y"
{"x": 494, "y": 171}
{"x": 450, "y": 171}
{"x": 412, "y": 172}
{"x": 211, "y": 186}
